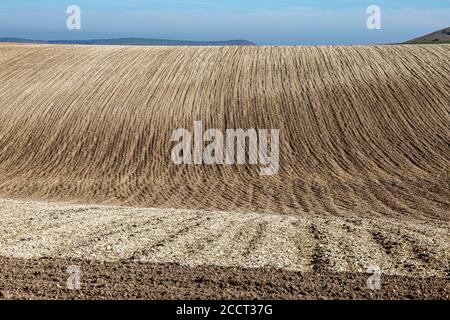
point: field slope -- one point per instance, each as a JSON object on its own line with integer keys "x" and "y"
{"x": 85, "y": 168}
{"x": 437, "y": 37}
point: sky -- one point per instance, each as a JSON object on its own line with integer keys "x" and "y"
{"x": 275, "y": 22}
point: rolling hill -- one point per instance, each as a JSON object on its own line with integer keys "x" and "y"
{"x": 132, "y": 42}
{"x": 86, "y": 174}
{"x": 440, "y": 36}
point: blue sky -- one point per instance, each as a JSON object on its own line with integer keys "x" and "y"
{"x": 261, "y": 21}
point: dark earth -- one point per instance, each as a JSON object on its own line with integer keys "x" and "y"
{"x": 46, "y": 278}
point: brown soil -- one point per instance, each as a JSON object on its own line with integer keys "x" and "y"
{"x": 364, "y": 171}
{"x": 363, "y": 130}
{"x": 46, "y": 279}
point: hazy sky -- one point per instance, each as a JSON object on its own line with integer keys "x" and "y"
{"x": 260, "y": 21}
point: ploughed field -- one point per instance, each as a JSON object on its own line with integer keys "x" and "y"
{"x": 86, "y": 173}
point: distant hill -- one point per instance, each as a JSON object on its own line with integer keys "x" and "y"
{"x": 134, "y": 42}
{"x": 19, "y": 40}
{"x": 441, "y": 36}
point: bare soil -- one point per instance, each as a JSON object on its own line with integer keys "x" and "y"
{"x": 46, "y": 279}
{"x": 86, "y": 174}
